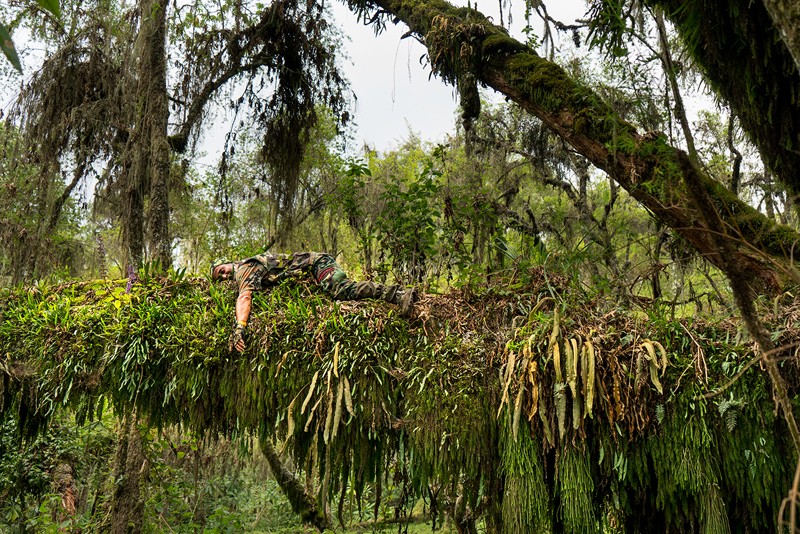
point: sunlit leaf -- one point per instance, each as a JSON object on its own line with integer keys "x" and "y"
{"x": 51, "y": 6}
{"x": 8, "y": 48}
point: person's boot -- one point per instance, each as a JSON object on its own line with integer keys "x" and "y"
{"x": 404, "y": 298}
{"x": 407, "y": 301}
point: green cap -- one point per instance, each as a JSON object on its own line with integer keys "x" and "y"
{"x": 214, "y": 265}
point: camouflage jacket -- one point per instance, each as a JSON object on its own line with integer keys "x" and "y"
{"x": 263, "y": 270}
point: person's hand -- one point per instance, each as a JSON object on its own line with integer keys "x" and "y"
{"x": 238, "y": 338}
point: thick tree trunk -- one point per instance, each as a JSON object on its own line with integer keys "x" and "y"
{"x": 786, "y": 16}
{"x": 133, "y": 220}
{"x": 130, "y": 469}
{"x": 302, "y": 503}
{"x": 148, "y": 147}
{"x": 64, "y": 485}
{"x": 743, "y": 57}
{"x": 154, "y": 60}
{"x": 645, "y": 165}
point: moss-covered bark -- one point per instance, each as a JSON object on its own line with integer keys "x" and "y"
{"x": 463, "y": 400}
{"x": 786, "y": 16}
{"x": 651, "y": 170}
{"x": 130, "y": 470}
{"x": 148, "y": 150}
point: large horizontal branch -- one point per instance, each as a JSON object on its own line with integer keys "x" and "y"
{"x": 645, "y": 165}
{"x": 457, "y": 396}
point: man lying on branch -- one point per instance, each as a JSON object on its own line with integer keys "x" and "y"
{"x": 265, "y": 270}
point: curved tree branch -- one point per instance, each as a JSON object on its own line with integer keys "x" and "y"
{"x": 672, "y": 77}
{"x": 229, "y": 64}
{"x": 302, "y": 503}
{"x": 652, "y": 171}
{"x": 737, "y": 159}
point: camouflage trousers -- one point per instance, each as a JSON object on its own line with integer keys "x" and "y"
{"x": 332, "y": 278}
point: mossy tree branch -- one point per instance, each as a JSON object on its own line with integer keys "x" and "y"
{"x": 462, "y": 399}
{"x": 645, "y": 165}
{"x": 302, "y": 503}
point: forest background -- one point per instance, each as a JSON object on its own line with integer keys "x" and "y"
{"x": 626, "y": 166}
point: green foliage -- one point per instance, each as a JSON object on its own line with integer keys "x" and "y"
{"x": 39, "y": 475}
{"x": 50, "y": 5}
{"x": 7, "y": 45}
{"x": 465, "y": 407}
{"x": 408, "y": 223}
{"x": 192, "y": 484}
{"x": 351, "y": 189}
{"x": 348, "y": 201}
{"x": 208, "y": 485}
{"x": 24, "y": 478}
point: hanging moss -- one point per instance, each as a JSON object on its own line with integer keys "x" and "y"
{"x": 744, "y": 59}
{"x": 575, "y": 488}
{"x": 752, "y": 464}
{"x": 685, "y": 469}
{"x": 526, "y": 503}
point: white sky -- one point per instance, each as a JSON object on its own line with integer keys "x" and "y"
{"x": 395, "y": 92}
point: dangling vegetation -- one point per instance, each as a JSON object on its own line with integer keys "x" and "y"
{"x": 534, "y": 411}
{"x": 526, "y": 500}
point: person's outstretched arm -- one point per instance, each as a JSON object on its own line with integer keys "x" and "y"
{"x": 243, "y": 304}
